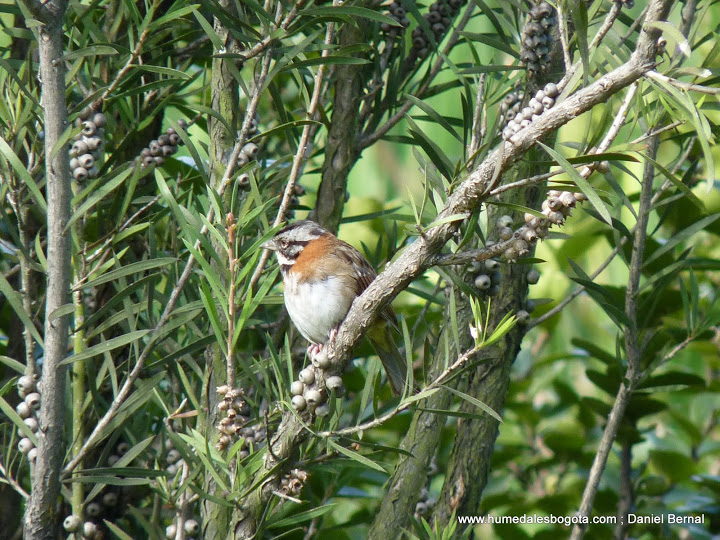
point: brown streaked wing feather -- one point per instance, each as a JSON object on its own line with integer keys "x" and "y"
{"x": 365, "y": 275}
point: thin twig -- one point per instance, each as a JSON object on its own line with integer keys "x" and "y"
{"x": 370, "y": 139}
{"x": 563, "y": 31}
{"x": 479, "y": 118}
{"x": 300, "y": 154}
{"x": 129, "y": 64}
{"x": 632, "y": 347}
{"x": 441, "y": 379}
{"x": 12, "y": 482}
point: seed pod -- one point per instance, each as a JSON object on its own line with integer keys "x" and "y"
{"x": 86, "y": 161}
{"x": 313, "y": 397}
{"x": 307, "y": 376}
{"x": 25, "y": 445}
{"x": 173, "y": 456}
{"x": 567, "y": 199}
{"x": 93, "y": 509}
{"x": 99, "y": 119}
{"x": 438, "y": 28}
{"x": 297, "y": 388}
{"x": 33, "y": 400}
{"x": 32, "y": 423}
{"x": 521, "y": 246}
{"x": 483, "y": 282}
{"x": 321, "y": 360}
{"x": 163, "y": 140}
{"x": 554, "y": 204}
{"x": 72, "y": 523}
{"x": 556, "y": 217}
{"x": 335, "y": 384}
{"x": 158, "y": 160}
{"x": 147, "y": 161}
{"x": 155, "y": 148}
{"x": 89, "y": 128}
{"x": 491, "y": 264}
{"x": 529, "y": 235}
{"x": 580, "y": 197}
{"x": 533, "y": 276}
{"x": 192, "y": 526}
{"x": 90, "y": 530}
{"x": 79, "y": 148}
{"x": 23, "y": 410}
{"x": 122, "y": 448}
{"x": 505, "y": 233}
{"x": 510, "y": 254}
{"x": 298, "y": 403}
{"x": 522, "y": 316}
{"x": 174, "y": 139}
{"x": 168, "y": 150}
{"x": 551, "y": 90}
{"x": 26, "y": 383}
{"x": 250, "y": 150}
{"x": 504, "y": 221}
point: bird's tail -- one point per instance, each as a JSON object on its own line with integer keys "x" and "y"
{"x": 390, "y": 356}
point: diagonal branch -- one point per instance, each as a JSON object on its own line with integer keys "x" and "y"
{"x": 467, "y": 198}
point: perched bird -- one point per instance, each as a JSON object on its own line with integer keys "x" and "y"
{"x": 322, "y": 276}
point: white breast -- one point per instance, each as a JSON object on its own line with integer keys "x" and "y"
{"x": 316, "y": 307}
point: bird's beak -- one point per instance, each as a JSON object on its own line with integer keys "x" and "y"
{"x": 270, "y": 244}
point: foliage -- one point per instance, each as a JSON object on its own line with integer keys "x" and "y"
{"x": 281, "y": 109}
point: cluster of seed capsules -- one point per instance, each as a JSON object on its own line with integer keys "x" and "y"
{"x": 397, "y": 12}
{"x": 191, "y": 527}
{"x": 27, "y": 410}
{"x": 292, "y": 483}
{"x": 519, "y": 117}
{"x": 307, "y": 395}
{"x": 439, "y": 19}
{"x": 425, "y": 504}
{"x": 164, "y": 146}
{"x": 537, "y": 38}
{"x": 86, "y": 149}
{"x": 104, "y": 506}
{"x": 235, "y": 422}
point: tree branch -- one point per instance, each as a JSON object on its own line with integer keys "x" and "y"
{"x": 40, "y": 513}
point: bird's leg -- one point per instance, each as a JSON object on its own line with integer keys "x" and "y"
{"x": 333, "y": 333}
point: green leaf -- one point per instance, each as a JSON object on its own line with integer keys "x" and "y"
{"x": 15, "y": 419}
{"x": 580, "y": 182}
{"x": 15, "y": 300}
{"x": 106, "y": 346}
{"x": 434, "y": 115}
{"x": 352, "y": 11}
{"x": 12, "y": 364}
{"x": 682, "y": 236}
{"x": 93, "y": 50}
{"x": 174, "y": 73}
{"x": 355, "y": 456}
{"x": 25, "y": 176}
{"x": 117, "y": 531}
{"x": 96, "y": 196}
{"x": 301, "y": 517}
{"x": 474, "y": 401}
{"x": 129, "y": 269}
{"x": 326, "y": 60}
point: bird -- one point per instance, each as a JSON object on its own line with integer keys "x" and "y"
{"x": 322, "y": 275}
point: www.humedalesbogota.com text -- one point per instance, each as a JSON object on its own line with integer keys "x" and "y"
{"x": 583, "y": 520}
